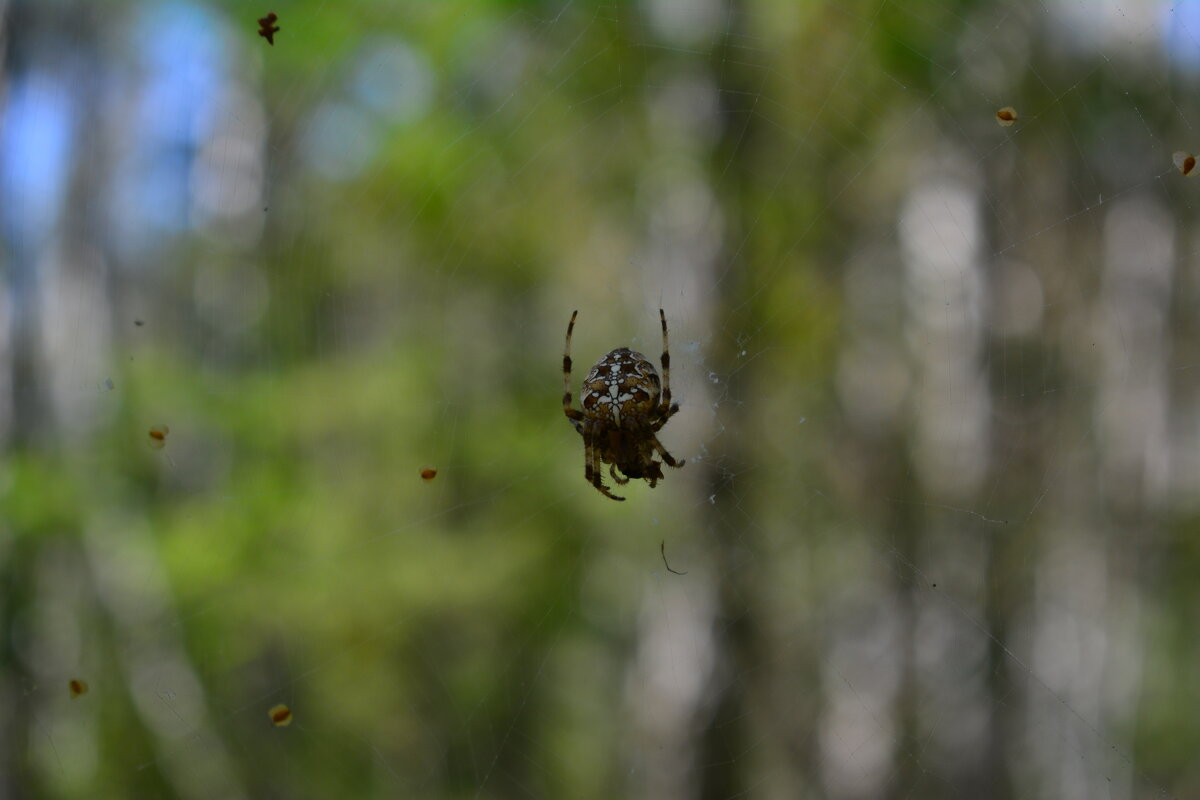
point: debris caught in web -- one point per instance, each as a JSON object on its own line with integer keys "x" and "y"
{"x": 280, "y": 715}
{"x": 158, "y": 436}
{"x": 1006, "y": 116}
{"x": 1185, "y": 162}
{"x": 662, "y": 548}
{"x": 267, "y": 27}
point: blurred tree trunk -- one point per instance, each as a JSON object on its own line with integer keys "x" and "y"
{"x": 62, "y": 285}
{"x": 25, "y": 419}
{"x": 766, "y": 695}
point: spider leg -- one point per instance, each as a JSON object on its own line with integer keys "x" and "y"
{"x": 599, "y": 484}
{"x": 604, "y": 490}
{"x": 587, "y": 460}
{"x": 666, "y": 367}
{"x": 667, "y": 457}
{"x": 612, "y": 470}
{"x": 573, "y": 414}
{"x": 665, "y": 413}
{"x": 593, "y": 470}
{"x": 666, "y": 409}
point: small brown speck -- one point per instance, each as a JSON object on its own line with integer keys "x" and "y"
{"x": 280, "y": 715}
{"x": 1006, "y": 116}
{"x": 77, "y": 687}
{"x": 428, "y": 474}
{"x": 1185, "y": 163}
{"x": 158, "y": 436}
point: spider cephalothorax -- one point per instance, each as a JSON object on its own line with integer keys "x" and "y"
{"x": 624, "y": 406}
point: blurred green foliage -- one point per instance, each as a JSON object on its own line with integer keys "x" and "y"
{"x": 475, "y": 635}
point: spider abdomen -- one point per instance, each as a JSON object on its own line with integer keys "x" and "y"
{"x": 622, "y": 388}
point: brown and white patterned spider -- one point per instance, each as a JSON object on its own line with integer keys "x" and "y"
{"x": 622, "y": 412}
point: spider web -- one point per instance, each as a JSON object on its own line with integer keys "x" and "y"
{"x": 935, "y": 533}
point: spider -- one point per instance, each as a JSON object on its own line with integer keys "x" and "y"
{"x": 622, "y": 412}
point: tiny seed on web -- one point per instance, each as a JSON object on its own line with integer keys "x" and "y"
{"x": 158, "y": 436}
{"x": 1006, "y": 116}
{"x": 1185, "y": 163}
{"x": 428, "y": 474}
{"x": 77, "y": 687}
{"x": 280, "y": 715}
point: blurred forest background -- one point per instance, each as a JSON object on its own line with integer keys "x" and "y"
{"x": 939, "y": 520}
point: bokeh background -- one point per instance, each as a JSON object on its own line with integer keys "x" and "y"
{"x": 939, "y": 520}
